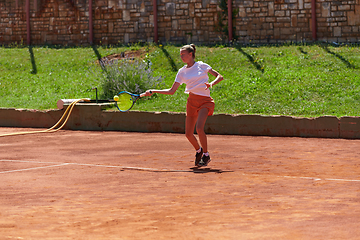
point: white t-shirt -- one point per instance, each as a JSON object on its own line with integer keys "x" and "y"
{"x": 195, "y": 78}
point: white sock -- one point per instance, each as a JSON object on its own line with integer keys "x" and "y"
{"x": 199, "y": 150}
{"x": 206, "y": 154}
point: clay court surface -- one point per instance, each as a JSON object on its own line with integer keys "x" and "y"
{"x": 120, "y": 185}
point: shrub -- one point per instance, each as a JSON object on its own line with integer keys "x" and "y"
{"x": 127, "y": 75}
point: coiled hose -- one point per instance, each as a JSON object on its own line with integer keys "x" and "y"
{"x": 54, "y": 128}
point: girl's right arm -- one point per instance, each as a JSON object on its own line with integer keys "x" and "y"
{"x": 169, "y": 91}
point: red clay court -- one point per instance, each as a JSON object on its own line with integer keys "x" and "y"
{"x": 122, "y": 185}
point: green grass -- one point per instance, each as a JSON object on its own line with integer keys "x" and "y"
{"x": 297, "y": 80}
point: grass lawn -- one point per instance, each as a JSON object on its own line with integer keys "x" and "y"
{"x": 298, "y": 80}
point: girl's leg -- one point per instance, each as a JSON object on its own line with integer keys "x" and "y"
{"x": 189, "y": 131}
{"x": 200, "y": 125}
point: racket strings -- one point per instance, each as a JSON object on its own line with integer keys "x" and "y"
{"x": 125, "y": 102}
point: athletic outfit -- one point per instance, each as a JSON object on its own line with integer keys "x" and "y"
{"x": 195, "y": 78}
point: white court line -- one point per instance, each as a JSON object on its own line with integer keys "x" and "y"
{"x": 34, "y": 168}
{"x": 26, "y": 161}
{"x": 92, "y": 165}
{"x": 341, "y": 180}
{"x": 310, "y": 178}
{"x": 133, "y": 168}
{"x": 325, "y": 179}
{"x": 159, "y": 170}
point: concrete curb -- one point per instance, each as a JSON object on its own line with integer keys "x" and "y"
{"x": 94, "y": 117}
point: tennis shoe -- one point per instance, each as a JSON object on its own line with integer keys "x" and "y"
{"x": 205, "y": 160}
{"x": 198, "y": 157}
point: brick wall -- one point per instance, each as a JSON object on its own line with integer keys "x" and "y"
{"x": 339, "y": 20}
{"x": 66, "y": 22}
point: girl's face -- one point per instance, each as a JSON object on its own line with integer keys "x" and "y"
{"x": 186, "y": 56}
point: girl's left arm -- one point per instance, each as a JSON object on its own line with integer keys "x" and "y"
{"x": 218, "y": 78}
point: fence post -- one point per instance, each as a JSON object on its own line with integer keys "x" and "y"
{"x": 230, "y": 27}
{"x": 91, "y": 36}
{"x": 27, "y": 9}
{"x": 313, "y": 19}
{"x": 155, "y": 21}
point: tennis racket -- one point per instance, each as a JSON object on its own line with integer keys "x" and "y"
{"x": 124, "y": 101}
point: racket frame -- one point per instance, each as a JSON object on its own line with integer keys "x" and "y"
{"x": 134, "y": 97}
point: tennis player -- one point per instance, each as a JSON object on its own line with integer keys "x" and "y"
{"x": 200, "y": 104}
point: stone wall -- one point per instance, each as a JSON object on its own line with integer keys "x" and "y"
{"x": 66, "y": 22}
{"x": 89, "y": 116}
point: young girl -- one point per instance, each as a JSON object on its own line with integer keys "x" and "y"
{"x": 199, "y": 103}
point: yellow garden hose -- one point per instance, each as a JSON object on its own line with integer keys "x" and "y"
{"x": 67, "y": 113}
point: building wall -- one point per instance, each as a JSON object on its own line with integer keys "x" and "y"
{"x": 66, "y": 22}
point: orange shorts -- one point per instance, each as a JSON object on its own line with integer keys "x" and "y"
{"x": 197, "y": 102}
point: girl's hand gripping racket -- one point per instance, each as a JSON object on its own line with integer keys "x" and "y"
{"x": 124, "y": 101}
